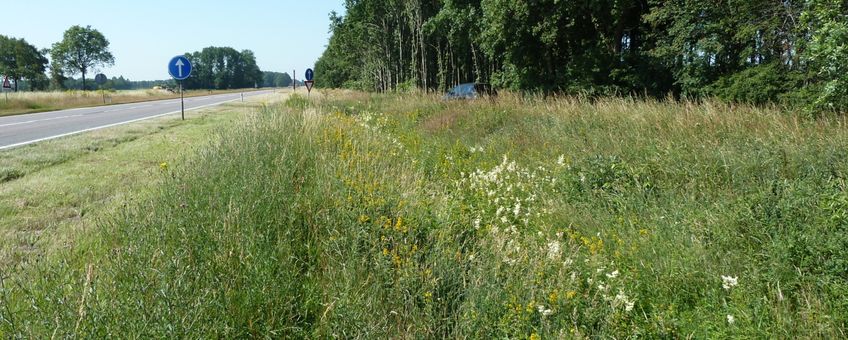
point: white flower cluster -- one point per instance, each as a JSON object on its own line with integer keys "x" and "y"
{"x": 620, "y": 300}
{"x": 371, "y": 120}
{"x": 375, "y": 122}
{"x": 554, "y": 250}
{"x": 508, "y": 191}
{"x": 728, "y": 282}
{"x": 505, "y": 199}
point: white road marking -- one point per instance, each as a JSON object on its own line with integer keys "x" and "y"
{"x": 39, "y": 120}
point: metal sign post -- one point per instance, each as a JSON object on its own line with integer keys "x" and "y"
{"x": 100, "y": 79}
{"x": 182, "y": 104}
{"x": 6, "y": 87}
{"x": 180, "y": 68}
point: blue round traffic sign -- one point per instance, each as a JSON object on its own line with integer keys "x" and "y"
{"x": 309, "y": 74}
{"x": 179, "y": 67}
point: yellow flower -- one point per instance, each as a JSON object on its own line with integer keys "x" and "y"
{"x": 534, "y": 336}
{"x": 570, "y": 294}
{"x": 163, "y": 166}
{"x": 363, "y": 218}
{"x": 553, "y": 297}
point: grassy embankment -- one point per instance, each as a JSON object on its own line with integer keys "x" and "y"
{"x": 51, "y": 190}
{"x": 401, "y": 215}
{"x": 29, "y": 102}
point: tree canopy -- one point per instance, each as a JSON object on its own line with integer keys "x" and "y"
{"x": 276, "y": 79}
{"x": 223, "y": 68}
{"x": 19, "y": 60}
{"x": 81, "y": 50}
{"x": 755, "y": 51}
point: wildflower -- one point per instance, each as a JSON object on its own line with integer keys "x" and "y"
{"x": 544, "y": 311}
{"x": 570, "y": 294}
{"x": 561, "y": 160}
{"x": 729, "y": 282}
{"x": 477, "y": 223}
{"x": 730, "y": 319}
{"x": 613, "y": 274}
{"x": 517, "y": 208}
{"x": 622, "y": 299}
{"x": 163, "y": 166}
{"x": 553, "y": 250}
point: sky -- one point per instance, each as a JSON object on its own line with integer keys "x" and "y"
{"x": 285, "y": 35}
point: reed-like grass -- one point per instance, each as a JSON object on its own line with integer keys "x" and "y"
{"x": 384, "y": 216}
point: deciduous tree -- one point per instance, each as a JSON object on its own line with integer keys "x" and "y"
{"x": 81, "y": 50}
{"x": 20, "y": 60}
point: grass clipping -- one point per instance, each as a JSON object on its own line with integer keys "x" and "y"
{"x": 383, "y": 216}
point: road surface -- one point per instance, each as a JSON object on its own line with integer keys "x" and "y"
{"x": 30, "y": 128}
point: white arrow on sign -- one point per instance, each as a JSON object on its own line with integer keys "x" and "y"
{"x": 179, "y": 65}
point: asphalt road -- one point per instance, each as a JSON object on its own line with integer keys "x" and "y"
{"x": 30, "y": 128}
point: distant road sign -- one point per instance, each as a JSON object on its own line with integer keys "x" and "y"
{"x": 309, "y": 74}
{"x": 100, "y": 79}
{"x": 179, "y": 67}
{"x": 309, "y": 84}
{"x": 6, "y": 83}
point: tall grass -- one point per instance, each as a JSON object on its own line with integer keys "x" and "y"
{"x": 378, "y": 216}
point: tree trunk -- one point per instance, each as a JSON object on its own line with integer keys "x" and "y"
{"x": 477, "y": 74}
{"x": 83, "y": 79}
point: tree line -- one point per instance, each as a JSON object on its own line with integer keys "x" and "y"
{"x": 20, "y": 60}
{"x": 756, "y": 51}
{"x": 276, "y": 79}
{"x": 83, "y": 49}
{"x": 223, "y": 68}
{"x": 113, "y": 83}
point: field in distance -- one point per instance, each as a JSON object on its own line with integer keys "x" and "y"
{"x": 402, "y": 215}
{"x": 30, "y": 102}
